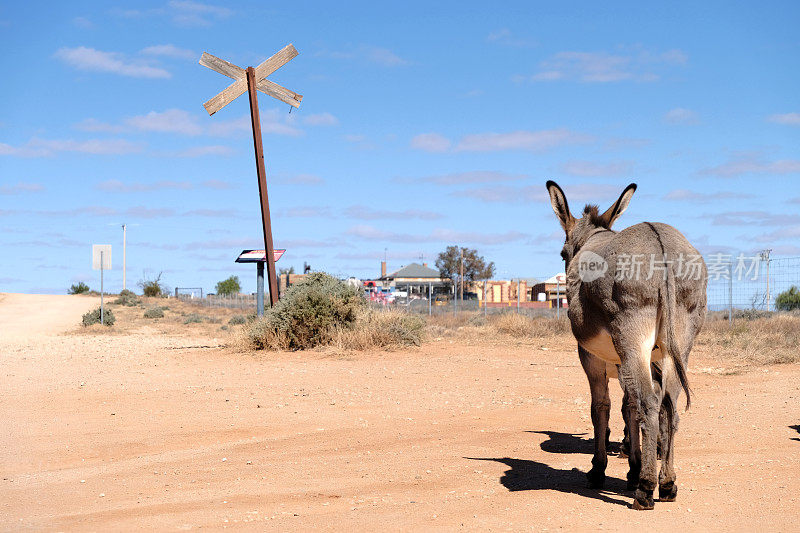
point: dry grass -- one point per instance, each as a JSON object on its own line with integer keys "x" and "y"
{"x": 493, "y": 327}
{"x": 763, "y": 341}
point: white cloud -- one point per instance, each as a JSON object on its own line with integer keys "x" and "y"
{"x": 304, "y": 179}
{"x": 202, "y": 151}
{"x": 680, "y": 115}
{"x": 89, "y": 59}
{"x": 505, "y": 37}
{"x": 169, "y": 121}
{"x": 752, "y": 164}
{"x": 588, "y": 192}
{"x": 114, "y": 185}
{"x": 371, "y": 54}
{"x": 321, "y": 119}
{"x": 37, "y": 147}
{"x": 430, "y": 142}
{"x": 439, "y": 235}
{"x": 189, "y": 13}
{"x": 82, "y": 22}
{"x": 685, "y": 195}
{"x": 362, "y": 212}
{"x": 589, "y": 168}
{"x": 792, "y": 119}
{"x": 530, "y": 141}
{"x": 19, "y": 188}
{"x": 91, "y": 124}
{"x": 463, "y": 178}
{"x": 634, "y": 64}
{"x": 169, "y": 50}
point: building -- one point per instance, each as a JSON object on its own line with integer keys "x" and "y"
{"x": 414, "y": 279}
{"x": 549, "y": 290}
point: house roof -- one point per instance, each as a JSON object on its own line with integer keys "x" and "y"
{"x": 414, "y": 270}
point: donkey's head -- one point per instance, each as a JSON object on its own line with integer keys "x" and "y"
{"x": 579, "y": 230}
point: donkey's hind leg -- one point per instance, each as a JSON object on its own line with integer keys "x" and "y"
{"x": 601, "y": 408}
{"x": 634, "y": 338}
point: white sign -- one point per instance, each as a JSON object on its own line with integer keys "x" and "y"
{"x": 106, "y": 253}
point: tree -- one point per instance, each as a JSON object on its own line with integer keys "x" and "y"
{"x": 78, "y": 288}
{"x": 788, "y": 300}
{"x": 229, "y": 286}
{"x": 153, "y": 287}
{"x": 475, "y": 266}
{"x": 283, "y": 271}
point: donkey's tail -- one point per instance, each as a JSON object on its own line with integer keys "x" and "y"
{"x": 669, "y": 302}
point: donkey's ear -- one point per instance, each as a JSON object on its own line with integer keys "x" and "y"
{"x": 559, "y": 202}
{"x": 619, "y": 206}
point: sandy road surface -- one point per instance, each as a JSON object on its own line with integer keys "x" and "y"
{"x": 133, "y": 431}
{"x": 29, "y": 315}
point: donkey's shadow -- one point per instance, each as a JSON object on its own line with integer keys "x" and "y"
{"x": 796, "y": 427}
{"x": 526, "y": 474}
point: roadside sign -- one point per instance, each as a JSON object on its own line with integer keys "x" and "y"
{"x": 103, "y": 250}
{"x": 258, "y": 256}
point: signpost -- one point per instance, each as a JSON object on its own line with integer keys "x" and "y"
{"x": 101, "y": 260}
{"x": 259, "y": 257}
{"x": 251, "y": 80}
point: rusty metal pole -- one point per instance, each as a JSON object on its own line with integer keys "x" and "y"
{"x": 262, "y": 185}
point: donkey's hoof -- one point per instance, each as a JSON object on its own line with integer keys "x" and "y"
{"x": 633, "y": 481}
{"x": 643, "y": 501}
{"x": 596, "y": 479}
{"x": 667, "y": 492}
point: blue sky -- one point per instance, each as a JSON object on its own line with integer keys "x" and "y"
{"x": 423, "y": 125}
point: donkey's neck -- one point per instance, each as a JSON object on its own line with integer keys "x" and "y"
{"x": 597, "y": 238}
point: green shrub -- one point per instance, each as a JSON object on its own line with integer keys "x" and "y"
{"x": 788, "y": 300}
{"x": 229, "y": 286}
{"x": 127, "y": 298}
{"x": 308, "y": 314}
{"x": 237, "y": 320}
{"x": 78, "y": 288}
{"x": 153, "y": 288}
{"x": 93, "y": 317}
{"x": 193, "y": 318}
{"x": 154, "y": 312}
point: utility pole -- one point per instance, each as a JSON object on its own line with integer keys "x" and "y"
{"x": 124, "y": 238}
{"x": 765, "y": 257}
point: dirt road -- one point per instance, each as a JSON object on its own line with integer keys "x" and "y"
{"x": 115, "y": 432}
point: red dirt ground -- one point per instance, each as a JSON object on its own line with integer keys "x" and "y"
{"x": 116, "y": 432}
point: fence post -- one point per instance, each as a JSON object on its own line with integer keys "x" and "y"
{"x": 730, "y": 294}
{"x": 518, "y": 286}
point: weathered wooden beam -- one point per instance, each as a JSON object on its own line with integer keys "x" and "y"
{"x": 281, "y": 93}
{"x": 239, "y": 87}
{"x": 223, "y": 67}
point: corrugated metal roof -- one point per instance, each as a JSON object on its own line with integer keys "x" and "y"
{"x": 414, "y": 270}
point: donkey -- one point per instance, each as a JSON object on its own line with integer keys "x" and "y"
{"x": 637, "y": 300}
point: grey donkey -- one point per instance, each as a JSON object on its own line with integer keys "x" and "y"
{"x": 637, "y": 300}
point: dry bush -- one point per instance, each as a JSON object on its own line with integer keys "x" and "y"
{"x": 763, "y": 341}
{"x": 370, "y": 329}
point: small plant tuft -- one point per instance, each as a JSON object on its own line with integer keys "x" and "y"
{"x": 78, "y": 288}
{"x": 193, "y": 318}
{"x": 237, "y": 320}
{"x": 127, "y": 298}
{"x": 154, "y": 312}
{"x": 93, "y": 317}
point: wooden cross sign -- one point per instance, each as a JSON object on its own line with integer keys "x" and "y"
{"x": 251, "y": 80}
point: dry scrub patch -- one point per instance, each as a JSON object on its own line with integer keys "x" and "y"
{"x": 500, "y": 327}
{"x": 762, "y": 341}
